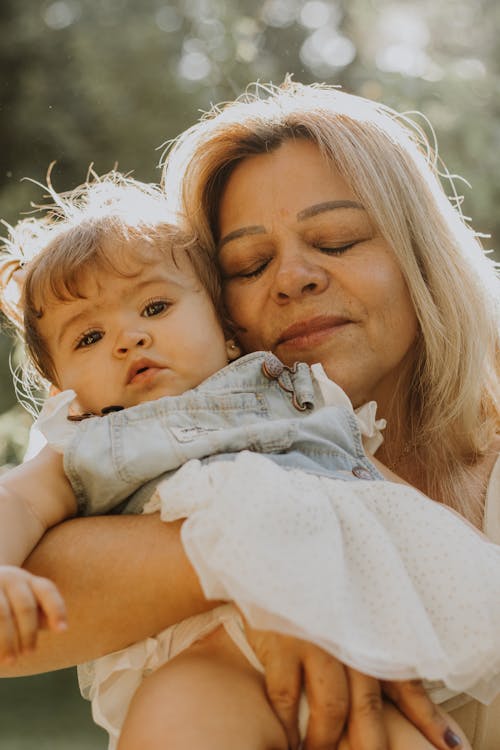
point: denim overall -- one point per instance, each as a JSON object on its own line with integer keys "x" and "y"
{"x": 255, "y": 403}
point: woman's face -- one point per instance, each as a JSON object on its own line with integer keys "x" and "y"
{"x": 308, "y": 277}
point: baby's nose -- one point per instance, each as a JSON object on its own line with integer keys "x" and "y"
{"x": 132, "y": 340}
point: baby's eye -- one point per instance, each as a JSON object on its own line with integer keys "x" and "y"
{"x": 89, "y": 338}
{"x": 155, "y": 307}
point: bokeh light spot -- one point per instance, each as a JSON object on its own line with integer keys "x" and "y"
{"x": 401, "y": 58}
{"x": 194, "y": 66}
{"x": 316, "y": 13}
{"x": 403, "y": 24}
{"x": 168, "y": 19}
{"x": 325, "y": 48}
{"x": 61, "y": 14}
{"x": 469, "y": 68}
{"x": 246, "y": 50}
{"x": 279, "y": 13}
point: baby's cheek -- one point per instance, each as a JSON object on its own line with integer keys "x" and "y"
{"x": 86, "y": 382}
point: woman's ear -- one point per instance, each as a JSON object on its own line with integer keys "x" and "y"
{"x": 54, "y": 390}
{"x": 232, "y": 349}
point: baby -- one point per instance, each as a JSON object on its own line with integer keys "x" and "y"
{"x": 286, "y": 516}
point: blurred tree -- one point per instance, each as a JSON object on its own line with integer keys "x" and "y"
{"x": 109, "y": 81}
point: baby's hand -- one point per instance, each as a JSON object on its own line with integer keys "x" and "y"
{"x": 27, "y": 604}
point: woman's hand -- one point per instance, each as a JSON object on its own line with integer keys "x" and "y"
{"x": 413, "y": 702}
{"x": 104, "y": 587}
{"x": 341, "y": 700}
{"x": 289, "y": 664}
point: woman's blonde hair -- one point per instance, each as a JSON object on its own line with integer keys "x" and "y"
{"x": 89, "y": 229}
{"x": 453, "y": 399}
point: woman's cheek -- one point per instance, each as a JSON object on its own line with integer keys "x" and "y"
{"x": 242, "y": 309}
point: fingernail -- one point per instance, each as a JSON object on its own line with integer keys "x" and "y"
{"x": 452, "y": 739}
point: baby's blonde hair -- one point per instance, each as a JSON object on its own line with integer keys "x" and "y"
{"x": 90, "y": 229}
{"x": 453, "y": 399}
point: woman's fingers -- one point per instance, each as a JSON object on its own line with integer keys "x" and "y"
{"x": 327, "y": 693}
{"x": 292, "y": 666}
{"x": 412, "y": 700}
{"x": 284, "y": 685}
{"x": 366, "y": 727}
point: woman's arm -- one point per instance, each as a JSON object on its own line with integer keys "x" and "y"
{"x": 127, "y": 577}
{"x": 123, "y": 578}
{"x": 33, "y": 497}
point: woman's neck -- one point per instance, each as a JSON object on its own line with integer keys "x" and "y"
{"x": 458, "y": 480}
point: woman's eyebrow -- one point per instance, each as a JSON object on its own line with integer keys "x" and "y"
{"x": 319, "y": 208}
{"x": 256, "y": 229}
{"x": 306, "y": 213}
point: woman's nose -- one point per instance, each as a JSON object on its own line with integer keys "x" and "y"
{"x": 129, "y": 340}
{"x": 297, "y": 276}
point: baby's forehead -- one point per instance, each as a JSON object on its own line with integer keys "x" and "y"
{"x": 81, "y": 264}
{"x": 132, "y": 269}
{"x": 132, "y": 259}
{"x": 136, "y": 254}
{"x": 99, "y": 292}
{"x": 136, "y": 251}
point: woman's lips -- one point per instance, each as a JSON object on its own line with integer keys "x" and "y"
{"x": 310, "y": 333}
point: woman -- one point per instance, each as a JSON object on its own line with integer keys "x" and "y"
{"x": 338, "y": 246}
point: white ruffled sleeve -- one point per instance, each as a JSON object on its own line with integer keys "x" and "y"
{"x": 53, "y": 422}
{"x": 369, "y": 426}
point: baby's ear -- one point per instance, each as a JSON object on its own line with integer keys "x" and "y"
{"x": 232, "y": 349}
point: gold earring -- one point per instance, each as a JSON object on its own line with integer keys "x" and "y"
{"x": 233, "y": 350}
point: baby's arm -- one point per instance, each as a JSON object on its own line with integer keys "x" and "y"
{"x": 33, "y": 497}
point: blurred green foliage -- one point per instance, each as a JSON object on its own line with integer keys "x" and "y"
{"x": 109, "y": 81}
{"x": 46, "y": 712}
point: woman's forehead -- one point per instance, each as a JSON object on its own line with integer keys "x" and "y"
{"x": 295, "y": 182}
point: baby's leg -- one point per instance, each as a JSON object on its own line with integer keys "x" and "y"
{"x": 402, "y": 735}
{"x": 209, "y": 697}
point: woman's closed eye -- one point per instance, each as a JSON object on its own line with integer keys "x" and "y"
{"x": 335, "y": 250}
{"x": 254, "y": 270}
{"x": 88, "y": 338}
{"x": 251, "y": 272}
{"x": 155, "y": 307}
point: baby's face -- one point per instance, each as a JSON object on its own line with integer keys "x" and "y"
{"x": 134, "y": 339}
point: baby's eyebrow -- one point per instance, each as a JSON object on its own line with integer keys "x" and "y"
{"x": 70, "y": 322}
